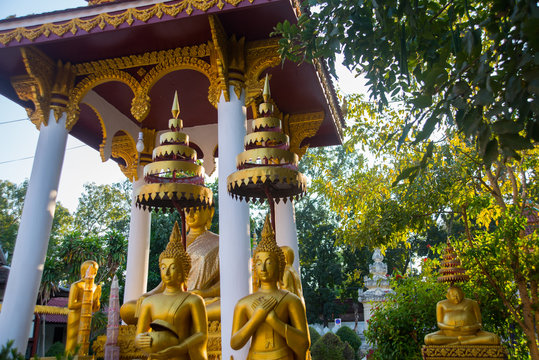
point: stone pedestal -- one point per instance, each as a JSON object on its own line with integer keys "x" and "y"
{"x": 463, "y": 352}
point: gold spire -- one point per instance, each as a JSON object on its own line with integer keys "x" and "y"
{"x": 266, "y": 94}
{"x": 267, "y": 230}
{"x": 175, "y": 106}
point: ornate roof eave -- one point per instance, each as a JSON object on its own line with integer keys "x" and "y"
{"x": 105, "y": 17}
{"x": 331, "y": 96}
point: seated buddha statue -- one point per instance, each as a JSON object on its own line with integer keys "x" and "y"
{"x": 203, "y": 279}
{"x": 291, "y": 280}
{"x": 88, "y": 271}
{"x": 459, "y": 321}
{"x": 172, "y": 324}
{"x": 274, "y": 319}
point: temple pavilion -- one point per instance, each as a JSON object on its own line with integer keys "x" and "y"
{"x": 106, "y": 74}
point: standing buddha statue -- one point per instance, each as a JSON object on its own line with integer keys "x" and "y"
{"x": 83, "y": 293}
{"x": 274, "y": 319}
{"x": 291, "y": 280}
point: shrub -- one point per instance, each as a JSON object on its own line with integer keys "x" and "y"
{"x": 8, "y": 352}
{"x": 348, "y": 352}
{"x": 56, "y": 349}
{"x": 349, "y": 336}
{"x": 327, "y": 347}
{"x": 315, "y": 335}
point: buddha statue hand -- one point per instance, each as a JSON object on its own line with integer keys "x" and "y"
{"x": 262, "y": 306}
{"x": 143, "y": 341}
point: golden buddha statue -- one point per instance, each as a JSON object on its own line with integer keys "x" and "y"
{"x": 291, "y": 280}
{"x": 203, "y": 279}
{"x": 459, "y": 321}
{"x": 88, "y": 271}
{"x": 274, "y": 319}
{"x": 173, "y": 324}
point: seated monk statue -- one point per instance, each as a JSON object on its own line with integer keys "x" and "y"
{"x": 173, "y": 324}
{"x": 203, "y": 248}
{"x": 74, "y": 303}
{"x": 459, "y": 321}
{"x": 274, "y": 319}
{"x": 291, "y": 280}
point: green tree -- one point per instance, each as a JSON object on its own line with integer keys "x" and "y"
{"x": 483, "y": 208}
{"x": 103, "y": 207}
{"x": 11, "y": 203}
{"x": 469, "y": 64}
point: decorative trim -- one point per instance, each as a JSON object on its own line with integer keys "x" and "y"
{"x": 124, "y": 147}
{"x": 146, "y": 59}
{"x": 329, "y": 91}
{"x": 464, "y": 352}
{"x": 48, "y": 310}
{"x": 47, "y": 86}
{"x": 261, "y": 55}
{"x": 301, "y": 126}
{"x": 228, "y": 58}
{"x": 115, "y": 19}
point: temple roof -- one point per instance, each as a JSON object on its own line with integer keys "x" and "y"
{"x": 115, "y": 32}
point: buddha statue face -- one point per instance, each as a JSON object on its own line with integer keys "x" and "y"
{"x": 199, "y": 218}
{"x": 455, "y": 295}
{"x": 171, "y": 272}
{"x": 84, "y": 269}
{"x": 267, "y": 266}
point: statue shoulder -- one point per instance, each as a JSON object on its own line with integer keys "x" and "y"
{"x": 194, "y": 299}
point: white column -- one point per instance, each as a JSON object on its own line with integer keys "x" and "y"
{"x": 234, "y": 243}
{"x": 138, "y": 248}
{"x": 285, "y": 228}
{"x": 33, "y": 236}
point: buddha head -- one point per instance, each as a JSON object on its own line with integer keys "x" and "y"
{"x": 84, "y": 269}
{"x": 268, "y": 258}
{"x": 288, "y": 254}
{"x": 455, "y": 294}
{"x": 174, "y": 262}
{"x": 199, "y": 218}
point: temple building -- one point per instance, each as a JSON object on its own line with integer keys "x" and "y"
{"x": 106, "y": 74}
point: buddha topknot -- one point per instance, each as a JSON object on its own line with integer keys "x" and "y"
{"x": 176, "y": 251}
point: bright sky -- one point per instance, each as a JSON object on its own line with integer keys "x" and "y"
{"x": 82, "y": 164}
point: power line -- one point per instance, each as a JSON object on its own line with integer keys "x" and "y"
{"x": 13, "y": 121}
{"x": 31, "y": 157}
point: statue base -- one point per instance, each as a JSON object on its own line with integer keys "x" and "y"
{"x": 463, "y": 352}
{"x": 128, "y": 350}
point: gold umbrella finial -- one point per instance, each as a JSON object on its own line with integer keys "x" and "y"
{"x": 266, "y": 93}
{"x": 175, "y": 106}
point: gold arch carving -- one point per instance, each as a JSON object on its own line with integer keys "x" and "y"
{"x": 103, "y": 131}
{"x": 261, "y": 55}
{"x": 124, "y": 147}
{"x": 174, "y": 64}
{"x": 93, "y": 80}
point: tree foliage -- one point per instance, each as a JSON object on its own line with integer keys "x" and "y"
{"x": 11, "y": 202}
{"x": 484, "y": 208}
{"x": 103, "y": 207}
{"x": 469, "y": 64}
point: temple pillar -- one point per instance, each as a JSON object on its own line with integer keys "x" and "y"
{"x": 285, "y": 228}
{"x": 138, "y": 248}
{"x": 34, "y": 232}
{"x": 234, "y": 239}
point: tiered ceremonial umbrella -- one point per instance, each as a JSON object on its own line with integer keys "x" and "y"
{"x": 267, "y": 169}
{"x": 451, "y": 270}
{"x": 175, "y": 178}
